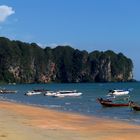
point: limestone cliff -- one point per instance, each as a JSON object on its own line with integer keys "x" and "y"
{"x": 28, "y": 63}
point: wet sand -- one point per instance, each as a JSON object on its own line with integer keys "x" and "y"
{"x": 24, "y": 122}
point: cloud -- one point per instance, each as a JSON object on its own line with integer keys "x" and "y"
{"x": 53, "y": 45}
{"x": 5, "y": 11}
{"x": 41, "y": 45}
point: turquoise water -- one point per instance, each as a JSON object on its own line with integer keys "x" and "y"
{"x": 85, "y": 104}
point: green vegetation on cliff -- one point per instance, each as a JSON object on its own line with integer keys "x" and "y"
{"x": 28, "y": 63}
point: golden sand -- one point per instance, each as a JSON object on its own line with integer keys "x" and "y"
{"x": 24, "y": 122}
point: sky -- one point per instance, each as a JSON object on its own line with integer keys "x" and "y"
{"x": 83, "y": 24}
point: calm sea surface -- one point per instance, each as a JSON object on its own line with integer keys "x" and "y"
{"x": 85, "y": 104}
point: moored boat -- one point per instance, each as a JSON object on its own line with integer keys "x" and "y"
{"x": 111, "y": 103}
{"x": 35, "y": 92}
{"x": 117, "y": 92}
{"x": 134, "y": 106}
{"x": 6, "y": 91}
{"x": 67, "y": 93}
{"x": 50, "y": 93}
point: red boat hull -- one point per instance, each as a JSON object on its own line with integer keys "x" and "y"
{"x": 107, "y": 103}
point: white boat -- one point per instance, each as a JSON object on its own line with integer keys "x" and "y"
{"x": 118, "y": 92}
{"x": 33, "y": 92}
{"x": 69, "y": 93}
{"x": 6, "y": 91}
{"x": 50, "y": 93}
{"x": 36, "y": 92}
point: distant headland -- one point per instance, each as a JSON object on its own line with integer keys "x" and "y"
{"x": 22, "y": 62}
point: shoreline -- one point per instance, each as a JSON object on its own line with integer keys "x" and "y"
{"x": 26, "y": 120}
{"x": 70, "y": 112}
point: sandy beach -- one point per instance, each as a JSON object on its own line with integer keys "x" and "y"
{"x": 24, "y": 122}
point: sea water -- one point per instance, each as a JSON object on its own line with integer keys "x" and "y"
{"x": 85, "y": 104}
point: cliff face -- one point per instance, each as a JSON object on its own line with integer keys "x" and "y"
{"x": 28, "y": 63}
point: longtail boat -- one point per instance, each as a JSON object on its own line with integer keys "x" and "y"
{"x": 134, "y": 106}
{"x": 110, "y": 103}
